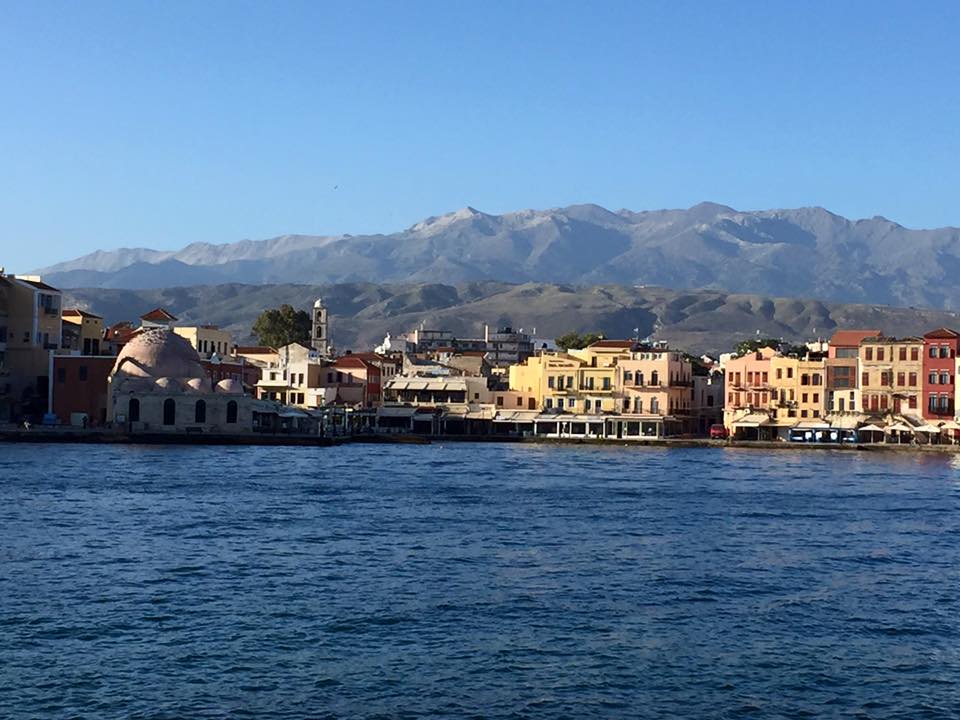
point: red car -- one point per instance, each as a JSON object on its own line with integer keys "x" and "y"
{"x": 719, "y": 432}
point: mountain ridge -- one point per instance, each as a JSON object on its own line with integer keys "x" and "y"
{"x": 806, "y": 252}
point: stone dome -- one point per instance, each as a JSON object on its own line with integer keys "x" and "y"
{"x": 230, "y": 387}
{"x": 158, "y": 353}
{"x": 198, "y": 385}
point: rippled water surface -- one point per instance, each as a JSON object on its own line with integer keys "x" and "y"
{"x": 495, "y": 581}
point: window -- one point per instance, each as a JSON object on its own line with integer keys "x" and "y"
{"x": 903, "y": 353}
{"x": 913, "y": 379}
{"x": 570, "y": 381}
{"x": 914, "y": 356}
{"x": 551, "y": 382}
{"x": 933, "y": 351}
{"x": 765, "y": 376}
{"x": 932, "y": 378}
{"x": 789, "y": 373}
{"x": 944, "y": 351}
{"x": 883, "y": 402}
{"x": 945, "y": 378}
{"x": 779, "y": 373}
{"x": 200, "y": 411}
{"x": 880, "y": 353}
{"x": 339, "y": 377}
{"x": 169, "y": 411}
{"x": 817, "y": 379}
{"x": 912, "y": 402}
{"x": 499, "y": 400}
{"x": 655, "y": 378}
{"x": 803, "y": 413}
{"x": 868, "y": 353}
{"x": 901, "y": 379}
{"x": 519, "y": 402}
{"x": 586, "y": 404}
{"x": 803, "y": 398}
{"x": 571, "y": 403}
{"x": 232, "y": 412}
{"x": 606, "y": 383}
{"x": 627, "y": 376}
{"x": 944, "y": 402}
{"x": 864, "y": 379}
{"x": 816, "y": 397}
{"x": 133, "y": 410}
{"x": 932, "y": 403}
{"x": 82, "y": 373}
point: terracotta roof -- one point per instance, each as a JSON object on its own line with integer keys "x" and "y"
{"x": 77, "y": 312}
{"x": 942, "y": 333}
{"x": 852, "y": 338}
{"x": 158, "y": 315}
{"x": 352, "y": 361}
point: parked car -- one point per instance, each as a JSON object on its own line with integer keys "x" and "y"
{"x": 719, "y": 432}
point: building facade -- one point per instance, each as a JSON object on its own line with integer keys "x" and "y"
{"x": 891, "y": 375}
{"x": 940, "y": 348}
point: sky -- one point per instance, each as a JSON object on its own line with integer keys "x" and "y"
{"x": 158, "y": 124}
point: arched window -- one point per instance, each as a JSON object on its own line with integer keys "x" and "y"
{"x": 133, "y": 411}
{"x": 232, "y": 411}
{"x": 655, "y": 378}
{"x": 200, "y": 412}
{"x": 169, "y": 411}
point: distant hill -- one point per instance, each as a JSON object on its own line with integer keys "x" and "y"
{"x": 806, "y": 252}
{"x": 362, "y": 313}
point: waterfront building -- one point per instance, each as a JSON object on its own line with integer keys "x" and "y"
{"x": 843, "y": 371}
{"x": 78, "y": 392}
{"x": 798, "y": 390}
{"x": 506, "y": 347}
{"x": 158, "y": 384}
{"x": 890, "y": 375}
{"x": 749, "y": 411}
{"x": 707, "y": 405}
{"x": 82, "y": 331}
{"x": 34, "y": 329}
{"x": 939, "y": 373}
{"x": 6, "y": 397}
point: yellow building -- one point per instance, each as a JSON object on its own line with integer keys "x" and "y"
{"x": 891, "y": 375}
{"x": 798, "y": 390}
{"x": 207, "y": 340}
{"x": 82, "y": 331}
{"x": 33, "y": 330}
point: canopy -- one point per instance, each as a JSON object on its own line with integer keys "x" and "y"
{"x": 899, "y": 427}
{"x": 871, "y": 428}
{"x": 752, "y": 420}
{"x": 950, "y": 425}
{"x": 928, "y": 429}
{"x": 811, "y": 425}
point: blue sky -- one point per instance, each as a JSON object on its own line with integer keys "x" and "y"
{"x": 158, "y": 124}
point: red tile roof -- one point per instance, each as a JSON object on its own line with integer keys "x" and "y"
{"x": 942, "y": 334}
{"x": 852, "y": 338}
{"x": 158, "y": 315}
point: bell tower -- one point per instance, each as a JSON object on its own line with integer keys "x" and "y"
{"x": 320, "y": 335}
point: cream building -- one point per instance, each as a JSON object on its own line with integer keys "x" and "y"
{"x": 207, "y": 340}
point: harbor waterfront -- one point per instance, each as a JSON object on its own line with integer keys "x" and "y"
{"x": 495, "y": 580}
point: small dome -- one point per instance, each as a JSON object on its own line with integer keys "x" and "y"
{"x": 158, "y": 353}
{"x": 199, "y": 385}
{"x": 166, "y": 383}
{"x": 230, "y": 387}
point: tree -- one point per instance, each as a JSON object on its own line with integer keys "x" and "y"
{"x": 748, "y": 346}
{"x": 282, "y": 326}
{"x": 576, "y": 341}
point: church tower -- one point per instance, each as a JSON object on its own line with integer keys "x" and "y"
{"x": 320, "y": 336}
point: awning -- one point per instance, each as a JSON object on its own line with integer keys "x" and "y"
{"x": 811, "y": 425}
{"x": 950, "y": 425}
{"x": 870, "y": 428}
{"x": 516, "y": 416}
{"x": 846, "y": 422}
{"x": 387, "y": 411}
{"x": 899, "y": 427}
{"x": 928, "y": 429}
{"x": 752, "y": 420}
{"x": 291, "y": 413}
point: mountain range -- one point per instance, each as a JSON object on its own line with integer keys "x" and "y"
{"x": 362, "y": 313}
{"x": 805, "y": 252}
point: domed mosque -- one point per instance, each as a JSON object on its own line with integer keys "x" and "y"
{"x": 159, "y": 384}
